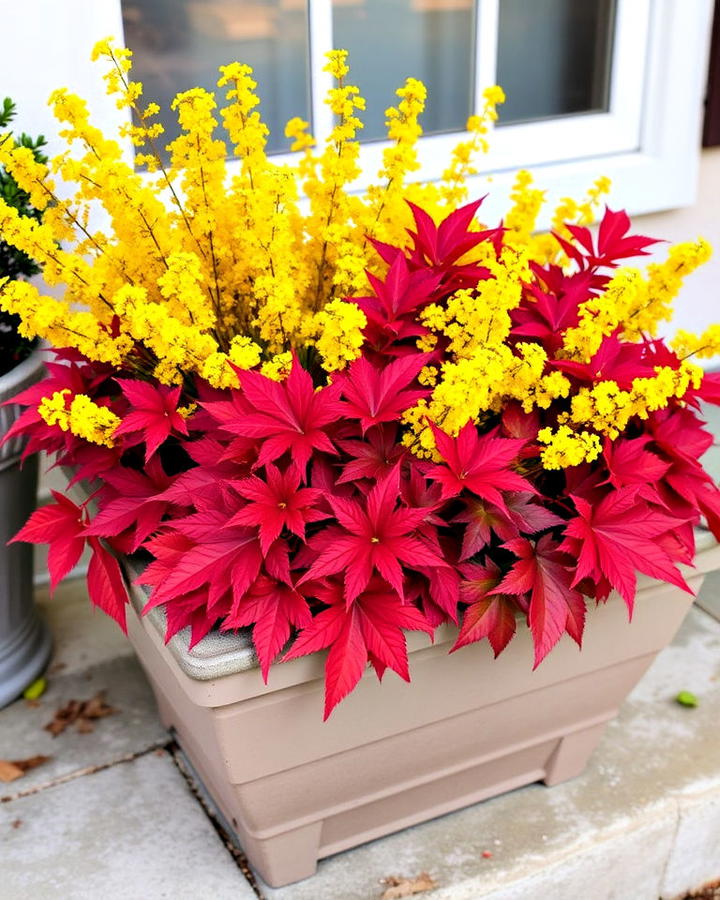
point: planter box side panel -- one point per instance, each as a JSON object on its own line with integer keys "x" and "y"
{"x": 296, "y": 789}
{"x": 374, "y": 712}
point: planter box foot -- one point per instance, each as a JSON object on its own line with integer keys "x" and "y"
{"x": 572, "y": 753}
{"x": 286, "y": 858}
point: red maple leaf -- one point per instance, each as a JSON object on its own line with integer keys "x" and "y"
{"x": 272, "y": 608}
{"x": 615, "y": 360}
{"x": 391, "y": 312}
{"x": 190, "y": 611}
{"x": 516, "y": 423}
{"x": 375, "y": 535}
{"x": 477, "y": 463}
{"x": 277, "y": 502}
{"x": 629, "y": 462}
{"x": 61, "y": 525}
{"x": 520, "y": 516}
{"x": 679, "y": 434}
{"x": 709, "y": 389}
{"x": 288, "y": 416}
{"x": 370, "y": 629}
{"x": 131, "y": 501}
{"x": 617, "y": 537}
{"x": 106, "y": 587}
{"x": 613, "y": 241}
{"x": 441, "y": 247}
{"x": 373, "y": 457}
{"x": 483, "y": 520}
{"x": 545, "y": 314}
{"x": 544, "y": 572}
{"x": 488, "y": 615}
{"x": 203, "y": 551}
{"x": 153, "y": 416}
{"x": 377, "y": 395}
{"x": 443, "y": 589}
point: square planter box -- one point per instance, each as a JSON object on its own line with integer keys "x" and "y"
{"x": 469, "y": 727}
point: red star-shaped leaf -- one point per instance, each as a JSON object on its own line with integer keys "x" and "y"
{"x": 153, "y": 415}
{"x": 277, "y": 502}
{"x": 375, "y": 535}
{"x": 288, "y": 416}
{"x": 370, "y": 629}
{"x": 479, "y": 464}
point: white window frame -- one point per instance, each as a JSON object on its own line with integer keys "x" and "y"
{"x": 648, "y": 142}
{"x": 526, "y": 144}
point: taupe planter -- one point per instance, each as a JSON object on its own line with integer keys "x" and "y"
{"x": 24, "y": 638}
{"x": 296, "y": 789}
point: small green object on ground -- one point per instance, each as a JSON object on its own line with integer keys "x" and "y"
{"x": 686, "y": 698}
{"x": 36, "y": 689}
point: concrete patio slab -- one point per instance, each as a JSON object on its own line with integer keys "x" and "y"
{"x": 131, "y": 832}
{"x": 134, "y": 729}
{"x": 72, "y": 619}
{"x": 638, "y": 824}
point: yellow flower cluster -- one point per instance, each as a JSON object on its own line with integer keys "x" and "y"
{"x": 278, "y": 367}
{"x": 472, "y": 387}
{"x": 454, "y": 179}
{"x": 200, "y": 265}
{"x": 204, "y": 267}
{"x": 522, "y": 215}
{"x": 703, "y": 346}
{"x": 339, "y": 334}
{"x": 83, "y": 417}
{"x": 484, "y": 373}
{"x": 664, "y": 281}
{"x": 566, "y": 447}
{"x": 637, "y": 303}
{"x": 53, "y": 320}
{"x": 608, "y": 409}
{"x": 521, "y": 220}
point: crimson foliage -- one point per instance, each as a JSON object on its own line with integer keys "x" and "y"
{"x": 293, "y": 508}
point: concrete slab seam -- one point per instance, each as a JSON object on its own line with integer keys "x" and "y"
{"x": 80, "y": 773}
{"x": 233, "y": 850}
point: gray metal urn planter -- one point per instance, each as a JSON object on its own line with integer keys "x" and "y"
{"x": 25, "y": 641}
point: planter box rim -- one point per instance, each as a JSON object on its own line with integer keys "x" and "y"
{"x": 223, "y": 654}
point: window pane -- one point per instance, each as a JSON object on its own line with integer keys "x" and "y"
{"x": 390, "y": 40}
{"x": 554, "y": 57}
{"x": 179, "y": 44}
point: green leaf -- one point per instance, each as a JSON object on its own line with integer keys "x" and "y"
{"x": 686, "y": 698}
{"x": 36, "y": 689}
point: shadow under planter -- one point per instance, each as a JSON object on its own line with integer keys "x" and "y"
{"x": 25, "y": 642}
{"x": 469, "y": 727}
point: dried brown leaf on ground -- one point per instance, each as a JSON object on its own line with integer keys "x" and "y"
{"x": 406, "y": 887}
{"x": 16, "y": 823}
{"x": 707, "y": 892}
{"x": 9, "y": 771}
{"x": 81, "y": 713}
{"x": 16, "y": 768}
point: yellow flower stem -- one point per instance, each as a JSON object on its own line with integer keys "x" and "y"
{"x": 78, "y": 224}
{"x": 694, "y": 352}
{"x": 323, "y": 255}
{"x": 153, "y": 147}
{"x": 243, "y": 119}
{"x": 216, "y": 299}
